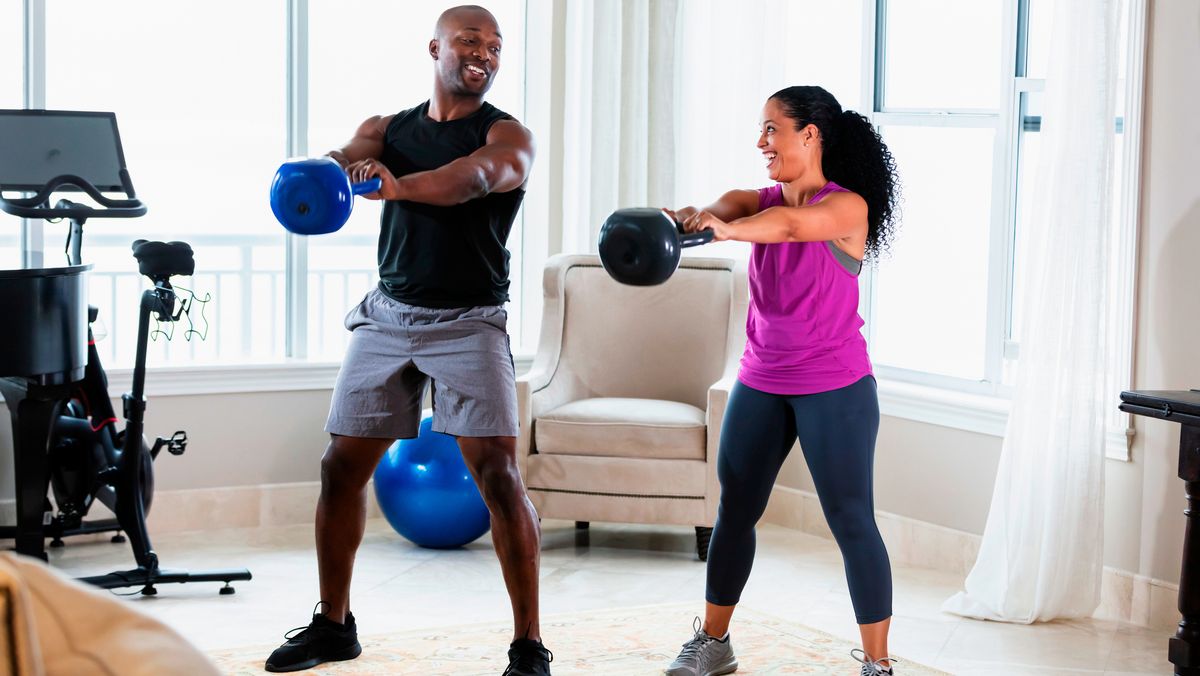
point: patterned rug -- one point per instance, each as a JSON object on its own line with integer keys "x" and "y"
{"x": 627, "y": 641}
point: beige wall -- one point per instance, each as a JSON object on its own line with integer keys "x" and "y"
{"x": 234, "y": 439}
{"x": 1167, "y": 355}
{"x": 945, "y": 476}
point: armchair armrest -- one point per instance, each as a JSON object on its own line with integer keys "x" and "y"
{"x": 532, "y": 381}
{"x": 718, "y": 397}
{"x": 537, "y": 389}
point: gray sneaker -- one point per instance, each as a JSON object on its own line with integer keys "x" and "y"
{"x": 704, "y": 656}
{"x": 872, "y": 667}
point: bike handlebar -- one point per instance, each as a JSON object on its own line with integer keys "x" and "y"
{"x": 37, "y": 207}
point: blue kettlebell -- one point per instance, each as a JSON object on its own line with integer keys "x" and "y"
{"x": 314, "y": 196}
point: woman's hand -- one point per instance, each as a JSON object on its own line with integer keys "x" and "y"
{"x": 704, "y": 220}
{"x": 681, "y": 215}
{"x": 365, "y": 170}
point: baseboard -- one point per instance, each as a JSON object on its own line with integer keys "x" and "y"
{"x": 1124, "y": 596}
{"x": 174, "y": 511}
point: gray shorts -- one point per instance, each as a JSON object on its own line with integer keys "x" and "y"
{"x": 395, "y": 349}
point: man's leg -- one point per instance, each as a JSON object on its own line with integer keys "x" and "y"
{"x": 516, "y": 533}
{"x": 346, "y": 467}
{"x": 341, "y": 516}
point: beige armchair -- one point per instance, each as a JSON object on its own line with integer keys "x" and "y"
{"x": 621, "y": 411}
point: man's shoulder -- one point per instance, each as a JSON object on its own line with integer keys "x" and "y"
{"x": 494, "y": 117}
{"x": 408, "y": 113}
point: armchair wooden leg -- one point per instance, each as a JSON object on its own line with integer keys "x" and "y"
{"x": 703, "y": 536}
{"x": 582, "y": 525}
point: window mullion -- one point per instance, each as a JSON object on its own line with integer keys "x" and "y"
{"x": 296, "y": 247}
{"x": 34, "y": 65}
{"x": 1004, "y": 208}
{"x": 871, "y": 98}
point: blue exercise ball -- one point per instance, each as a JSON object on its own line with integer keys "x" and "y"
{"x": 426, "y": 492}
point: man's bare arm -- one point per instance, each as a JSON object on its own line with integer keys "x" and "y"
{"x": 367, "y": 143}
{"x": 502, "y": 165}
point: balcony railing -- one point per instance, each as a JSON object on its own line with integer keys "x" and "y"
{"x": 244, "y": 278}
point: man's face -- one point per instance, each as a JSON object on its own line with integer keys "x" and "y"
{"x": 467, "y": 53}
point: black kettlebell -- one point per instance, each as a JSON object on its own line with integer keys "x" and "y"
{"x": 641, "y": 247}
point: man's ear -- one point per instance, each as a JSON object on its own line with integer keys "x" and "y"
{"x": 433, "y": 49}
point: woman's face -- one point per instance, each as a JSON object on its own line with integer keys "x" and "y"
{"x": 782, "y": 145}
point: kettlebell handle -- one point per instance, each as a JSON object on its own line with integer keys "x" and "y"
{"x": 368, "y": 186}
{"x": 687, "y": 239}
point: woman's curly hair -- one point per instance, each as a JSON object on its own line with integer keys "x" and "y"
{"x": 853, "y": 156}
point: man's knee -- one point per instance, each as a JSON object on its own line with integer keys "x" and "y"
{"x": 493, "y": 462}
{"x": 349, "y": 462}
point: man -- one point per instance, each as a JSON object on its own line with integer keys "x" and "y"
{"x": 453, "y": 173}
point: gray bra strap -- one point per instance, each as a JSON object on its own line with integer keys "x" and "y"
{"x": 852, "y": 264}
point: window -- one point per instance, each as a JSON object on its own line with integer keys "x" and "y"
{"x": 202, "y": 102}
{"x": 944, "y": 140}
{"x": 937, "y": 276}
{"x": 395, "y": 73}
{"x": 928, "y": 44}
{"x": 11, "y": 96}
{"x": 199, "y": 95}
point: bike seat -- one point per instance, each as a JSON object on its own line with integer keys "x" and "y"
{"x": 160, "y": 260}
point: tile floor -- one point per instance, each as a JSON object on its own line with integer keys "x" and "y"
{"x": 398, "y": 586}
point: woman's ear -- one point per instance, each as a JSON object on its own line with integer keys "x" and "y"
{"x": 810, "y": 134}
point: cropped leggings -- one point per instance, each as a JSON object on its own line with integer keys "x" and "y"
{"x": 837, "y": 432}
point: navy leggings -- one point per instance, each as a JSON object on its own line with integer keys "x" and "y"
{"x": 837, "y": 432}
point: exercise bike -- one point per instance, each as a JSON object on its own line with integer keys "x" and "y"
{"x": 65, "y": 429}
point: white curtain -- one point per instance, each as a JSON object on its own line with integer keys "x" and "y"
{"x": 1042, "y": 551}
{"x": 618, "y": 145}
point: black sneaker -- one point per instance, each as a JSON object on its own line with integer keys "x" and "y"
{"x": 527, "y": 657}
{"x": 323, "y": 640}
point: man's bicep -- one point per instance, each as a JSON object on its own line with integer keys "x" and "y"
{"x": 507, "y": 157}
{"x": 368, "y": 140}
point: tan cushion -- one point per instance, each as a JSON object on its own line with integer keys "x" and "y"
{"x": 626, "y": 428}
{"x": 649, "y": 342}
{"x": 624, "y": 477}
{"x": 82, "y": 630}
{"x": 20, "y": 654}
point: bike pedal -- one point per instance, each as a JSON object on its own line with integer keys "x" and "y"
{"x": 177, "y": 444}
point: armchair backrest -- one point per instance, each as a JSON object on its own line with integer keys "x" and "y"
{"x": 671, "y": 341}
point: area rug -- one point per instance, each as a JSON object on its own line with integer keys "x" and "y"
{"x": 627, "y": 641}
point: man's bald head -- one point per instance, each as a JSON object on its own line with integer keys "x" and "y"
{"x": 472, "y": 16}
{"x": 466, "y": 50}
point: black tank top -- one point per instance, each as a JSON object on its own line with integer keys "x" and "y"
{"x": 444, "y": 257}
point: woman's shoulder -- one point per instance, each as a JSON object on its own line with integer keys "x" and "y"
{"x": 770, "y": 196}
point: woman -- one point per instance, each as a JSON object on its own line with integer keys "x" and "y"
{"x": 805, "y": 371}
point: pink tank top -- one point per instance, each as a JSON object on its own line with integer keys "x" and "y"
{"x": 802, "y": 330}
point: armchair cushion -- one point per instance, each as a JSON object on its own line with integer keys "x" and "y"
{"x": 621, "y": 427}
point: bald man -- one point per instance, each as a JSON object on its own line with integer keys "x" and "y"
{"x": 453, "y": 173}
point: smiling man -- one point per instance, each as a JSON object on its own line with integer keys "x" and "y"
{"x": 453, "y": 172}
